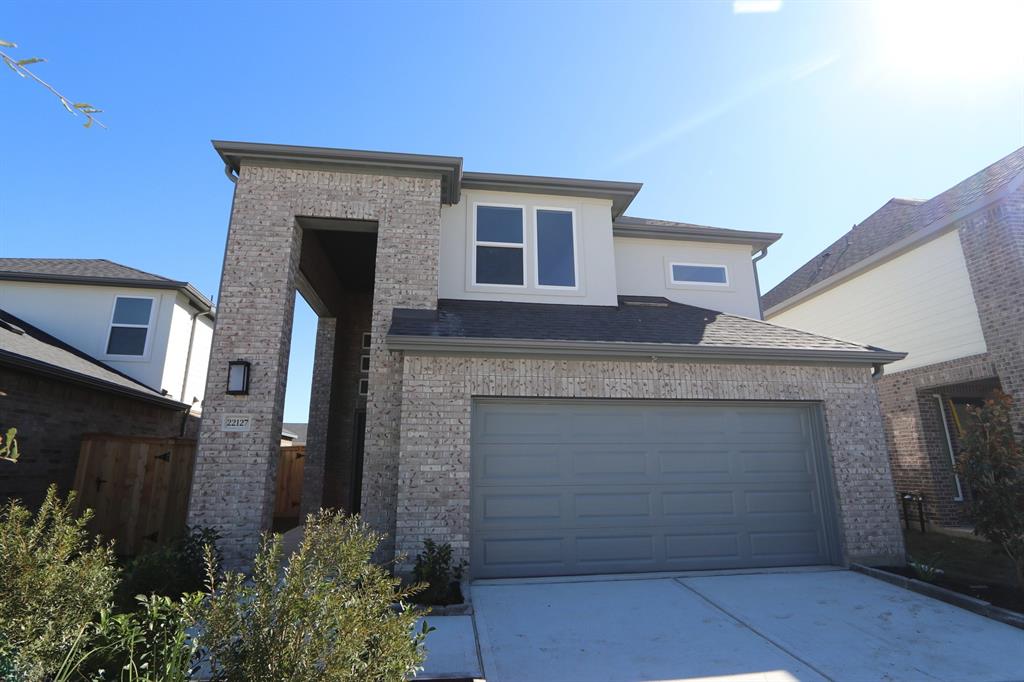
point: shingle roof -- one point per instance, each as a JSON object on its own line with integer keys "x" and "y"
{"x": 894, "y": 221}
{"x": 29, "y": 347}
{"x": 636, "y": 320}
{"x": 92, "y": 271}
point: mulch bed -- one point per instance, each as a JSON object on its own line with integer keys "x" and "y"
{"x": 996, "y": 594}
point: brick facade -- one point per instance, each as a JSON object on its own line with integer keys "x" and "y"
{"x": 51, "y": 416}
{"x": 233, "y": 485}
{"x": 437, "y": 394}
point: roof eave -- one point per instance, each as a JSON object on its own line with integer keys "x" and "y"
{"x": 449, "y": 168}
{"x": 193, "y": 294}
{"x": 756, "y": 240}
{"x": 22, "y": 362}
{"x": 649, "y": 351}
{"x": 621, "y": 194}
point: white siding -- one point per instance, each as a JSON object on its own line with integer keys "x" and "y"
{"x": 178, "y": 353}
{"x": 642, "y": 269}
{"x": 594, "y": 255}
{"x": 80, "y": 315}
{"x": 920, "y": 303}
{"x": 198, "y": 368}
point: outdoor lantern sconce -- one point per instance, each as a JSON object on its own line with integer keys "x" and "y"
{"x": 238, "y": 377}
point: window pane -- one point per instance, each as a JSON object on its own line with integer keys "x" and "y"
{"x": 127, "y": 341}
{"x": 132, "y": 310}
{"x": 499, "y": 265}
{"x": 555, "y": 266}
{"x": 499, "y": 224}
{"x": 705, "y": 274}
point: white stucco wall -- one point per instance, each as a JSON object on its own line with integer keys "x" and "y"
{"x": 642, "y": 269}
{"x": 80, "y": 316}
{"x": 594, "y": 252}
{"x": 920, "y": 303}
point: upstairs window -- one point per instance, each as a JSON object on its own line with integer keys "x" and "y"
{"x": 556, "y": 248}
{"x": 129, "y": 326}
{"x": 498, "y": 246}
{"x": 691, "y": 273}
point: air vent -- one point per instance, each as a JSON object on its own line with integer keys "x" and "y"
{"x": 645, "y": 301}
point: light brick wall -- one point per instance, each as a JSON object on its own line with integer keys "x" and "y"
{"x": 437, "y": 393}
{"x": 233, "y": 485}
{"x": 319, "y": 416}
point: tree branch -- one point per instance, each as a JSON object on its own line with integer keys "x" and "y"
{"x": 20, "y": 67}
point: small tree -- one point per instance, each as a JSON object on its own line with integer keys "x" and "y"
{"x": 992, "y": 464}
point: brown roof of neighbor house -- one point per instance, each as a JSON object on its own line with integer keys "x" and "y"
{"x": 894, "y": 221}
{"x": 94, "y": 271}
{"x": 638, "y": 325}
{"x": 27, "y": 347}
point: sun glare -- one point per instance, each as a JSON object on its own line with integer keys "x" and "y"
{"x": 963, "y": 39}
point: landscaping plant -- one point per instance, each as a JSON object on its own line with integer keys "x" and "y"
{"x": 927, "y": 569}
{"x": 172, "y": 570}
{"x": 992, "y": 464}
{"x": 54, "y": 580}
{"x": 434, "y": 569}
{"x": 327, "y": 613}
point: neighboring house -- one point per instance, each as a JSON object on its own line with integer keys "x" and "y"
{"x": 510, "y": 364}
{"x": 942, "y": 279}
{"x": 53, "y": 393}
{"x": 153, "y": 329}
{"x": 293, "y": 433}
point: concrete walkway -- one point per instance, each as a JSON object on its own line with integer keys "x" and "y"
{"x": 769, "y": 627}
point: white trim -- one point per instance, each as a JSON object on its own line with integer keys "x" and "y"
{"x": 364, "y": 386}
{"x": 364, "y": 363}
{"x": 503, "y": 245}
{"x": 959, "y": 497}
{"x": 366, "y": 341}
{"x": 672, "y": 275}
{"x": 536, "y": 250}
{"x": 144, "y": 356}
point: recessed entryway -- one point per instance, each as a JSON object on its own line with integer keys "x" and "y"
{"x": 568, "y": 487}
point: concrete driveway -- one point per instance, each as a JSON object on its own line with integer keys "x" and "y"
{"x": 769, "y": 627}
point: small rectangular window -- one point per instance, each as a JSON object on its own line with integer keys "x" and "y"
{"x": 364, "y": 363}
{"x": 364, "y": 386}
{"x": 689, "y": 273}
{"x": 499, "y": 246}
{"x": 556, "y": 249}
{"x": 366, "y": 339}
{"x": 129, "y": 326}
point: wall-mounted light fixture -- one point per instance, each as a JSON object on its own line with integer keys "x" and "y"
{"x": 238, "y": 377}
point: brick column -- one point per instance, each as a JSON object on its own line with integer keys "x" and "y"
{"x": 319, "y": 416}
{"x": 234, "y": 481}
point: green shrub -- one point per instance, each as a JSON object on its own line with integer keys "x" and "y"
{"x": 326, "y": 614}
{"x": 992, "y": 464}
{"x": 170, "y": 570}
{"x": 54, "y": 580}
{"x": 434, "y": 569}
{"x": 928, "y": 569}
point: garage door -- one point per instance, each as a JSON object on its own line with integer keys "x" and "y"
{"x": 575, "y": 487}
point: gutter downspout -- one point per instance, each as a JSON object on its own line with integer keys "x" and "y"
{"x": 757, "y": 282}
{"x": 188, "y": 355}
{"x": 231, "y": 176}
{"x": 877, "y": 370}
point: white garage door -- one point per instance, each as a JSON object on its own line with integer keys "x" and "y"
{"x": 577, "y": 486}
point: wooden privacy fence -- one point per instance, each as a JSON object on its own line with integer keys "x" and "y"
{"x": 138, "y": 488}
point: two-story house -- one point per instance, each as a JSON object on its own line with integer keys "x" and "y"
{"x": 93, "y": 346}
{"x": 941, "y": 279}
{"x": 511, "y": 364}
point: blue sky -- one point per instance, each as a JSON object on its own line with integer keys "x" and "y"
{"x": 802, "y": 120}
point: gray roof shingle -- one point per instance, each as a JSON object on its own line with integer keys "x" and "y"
{"x": 642, "y": 320}
{"x": 894, "y": 221}
{"x": 29, "y": 347}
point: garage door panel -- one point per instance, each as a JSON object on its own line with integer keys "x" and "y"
{"x": 696, "y": 488}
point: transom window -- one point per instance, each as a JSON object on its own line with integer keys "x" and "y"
{"x": 129, "y": 326}
{"x": 498, "y": 245}
{"x": 692, "y": 273}
{"x": 556, "y": 248}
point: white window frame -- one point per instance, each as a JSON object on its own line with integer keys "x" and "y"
{"x": 536, "y": 250}
{"x": 364, "y": 386}
{"x": 364, "y": 363}
{"x": 366, "y": 340}
{"x": 148, "y": 327}
{"x": 504, "y": 245}
{"x": 690, "y": 283}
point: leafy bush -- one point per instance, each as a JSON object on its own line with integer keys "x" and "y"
{"x": 434, "y": 569}
{"x": 54, "y": 579}
{"x": 150, "y": 644}
{"x": 992, "y": 464}
{"x": 170, "y": 570}
{"x": 326, "y": 614}
{"x": 927, "y": 569}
